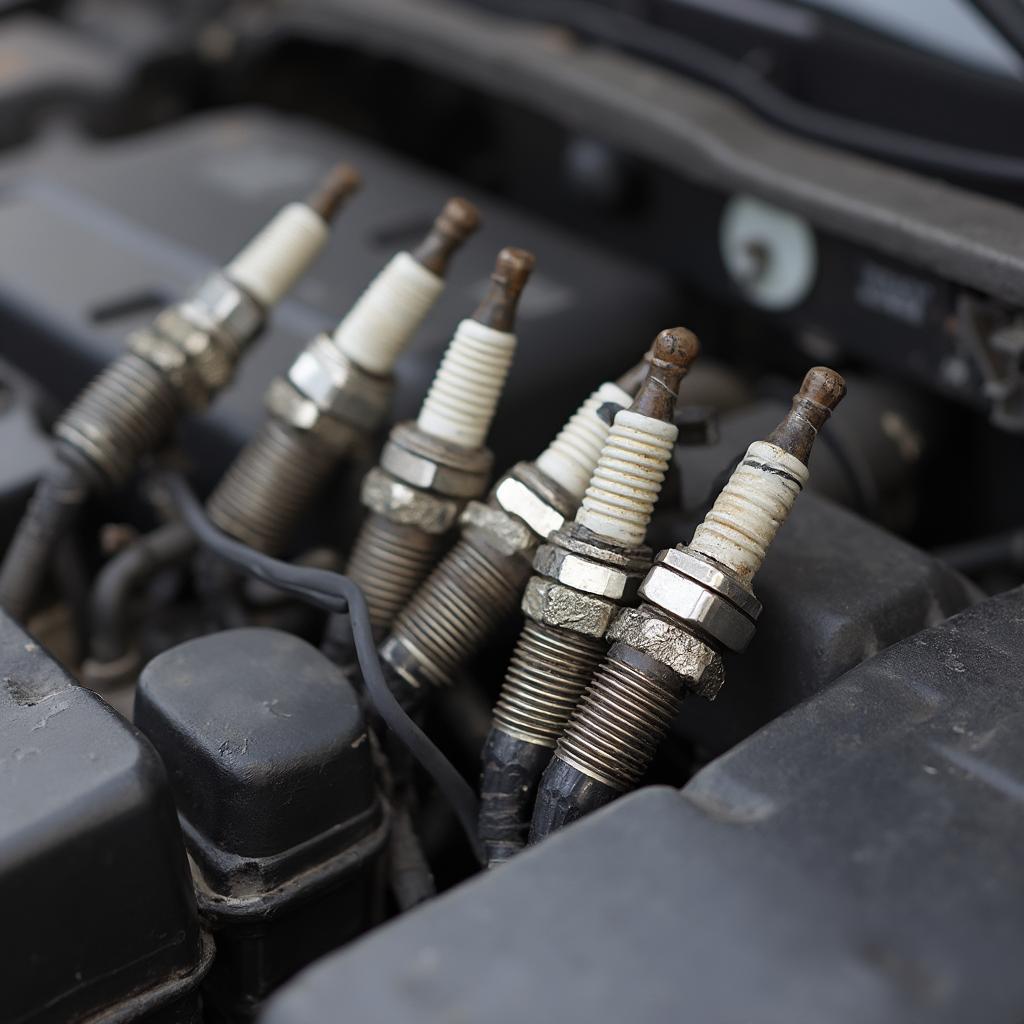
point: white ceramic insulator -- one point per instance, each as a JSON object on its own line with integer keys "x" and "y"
{"x": 464, "y": 395}
{"x": 375, "y": 331}
{"x": 625, "y": 486}
{"x": 571, "y": 458}
{"x": 275, "y": 259}
{"x": 751, "y": 508}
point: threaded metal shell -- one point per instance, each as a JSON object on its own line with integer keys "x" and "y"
{"x": 270, "y": 485}
{"x": 389, "y": 561}
{"x": 619, "y": 723}
{"x": 549, "y": 670}
{"x": 124, "y": 412}
{"x": 453, "y": 613}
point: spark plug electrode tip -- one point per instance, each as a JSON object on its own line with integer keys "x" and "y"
{"x": 453, "y": 225}
{"x": 459, "y": 218}
{"x": 330, "y": 194}
{"x": 824, "y": 387}
{"x": 669, "y": 360}
{"x": 511, "y": 271}
{"x": 821, "y": 391}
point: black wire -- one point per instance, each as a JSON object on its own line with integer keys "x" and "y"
{"x": 334, "y": 592}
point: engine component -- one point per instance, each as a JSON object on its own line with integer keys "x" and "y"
{"x": 582, "y": 576}
{"x": 99, "y": 917}
{"x": 336, "y": 392}
{"x": 430, "y": 468}
{"x": 477, "y": 584}
{"x": 180, "y": 362}
{"x": 697, "y": 599}
{"x": 828, "y": 858}
{"x": 271, "y": 769}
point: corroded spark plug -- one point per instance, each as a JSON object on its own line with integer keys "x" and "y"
{"x": 477, "y": 584}
{"x": 430, "y": 468}
{"x": 697, "y": 599}
{"x": 583, "y": 575}
{"x": 178, "y": 363}
{"x": 336, "y": 393}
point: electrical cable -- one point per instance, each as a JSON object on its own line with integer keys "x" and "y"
{"x": 334, "y": 592}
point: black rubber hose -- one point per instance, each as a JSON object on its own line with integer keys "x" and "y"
{"x": 565, "y": 795}
{"x": 118, "y": 582}
{"x": 51, "y": 512}
{"x": 512, "y": 770}
{"x": 334, "y": 592}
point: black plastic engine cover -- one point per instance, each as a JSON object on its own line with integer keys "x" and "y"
{"x": 99, "y": 919}
{"x": 857, "y": 861}
{"x": 270, "y": 764}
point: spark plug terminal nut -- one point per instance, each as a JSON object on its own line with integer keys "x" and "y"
{"x": 431, "y": 467}
{"x": 479, "y": 582}
{"x": 583, "y": 575}
{"x": 697, "y": 601}
{"x": 190, "y": 351}
{"x": 336, "y": 393}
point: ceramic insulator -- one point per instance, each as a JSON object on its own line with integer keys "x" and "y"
{"x": 751, "y": 508}
{"x": 464, "y": 395}
{"x": 625, "y": 486}
{"x": 275, "y": 259}
{"x": 571, "y": 458}
{"x": 377, "y": 328}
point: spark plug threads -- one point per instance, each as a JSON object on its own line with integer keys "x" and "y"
{"x": 697, "y": 600}
{"x": 479, "y": 582}
{"x": 430, "y": 468}
{"x": 336, "y": 392}
{"x": 582, "y": 576}
{"x": 178, "y": 363}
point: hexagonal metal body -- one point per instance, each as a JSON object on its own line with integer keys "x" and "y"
{"x": 400, "y": 503}
{"x": 697, "y": 663}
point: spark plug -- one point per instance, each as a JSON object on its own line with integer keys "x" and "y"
{"x": 582, "y": 576}
{"x": 477, "y": 584}
{"x": 336, "y": 393}
{"x": 697, "y": 600}
{"x": 177, "y": 363}
{"x": 429, "y": 468}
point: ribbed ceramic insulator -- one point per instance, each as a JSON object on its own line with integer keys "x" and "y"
{"x": 280, "y": 254}
{"x": 375, "y": 331}
{"x": 620, "y": 721}
{"x": 625, "y": 486}
{"x": 122, "y": 414}
{"x": 463, "y": 397}
{"x": 268, "y": 487}
{"x": 751, "y": 508}
{"x": 549, "y": 670}
{"x": 389, "y": 561}
{"x": 571, "y": 458}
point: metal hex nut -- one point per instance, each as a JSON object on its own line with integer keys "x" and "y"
{"x": 505, "y": 533}
{"x": 401, "y": 503}
{"x": 672, "y": 645}
{"x": 553, "y": 604}
{"x": 337, "y": 386}
{"x": 432, "y": 474}
{"x": 697, "y": 606}
{"x": 586, "y": 574}
{"x": 289, "y": 406}
{"x": 516, "y": 497}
